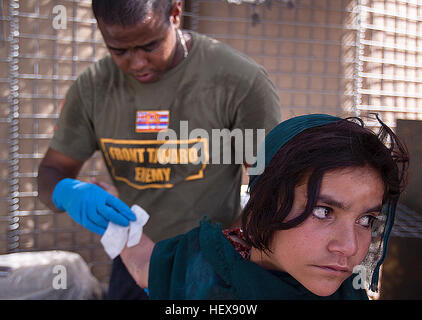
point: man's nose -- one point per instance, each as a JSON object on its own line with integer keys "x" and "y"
{"x": 138, "y": 60}
{"x": 344, "y": 241}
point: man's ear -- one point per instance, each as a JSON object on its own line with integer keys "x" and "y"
{"x": 176, "y": 13}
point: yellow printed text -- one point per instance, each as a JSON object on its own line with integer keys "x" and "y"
{"x": 149, "y": 175}
{"x": 172, "y": 155}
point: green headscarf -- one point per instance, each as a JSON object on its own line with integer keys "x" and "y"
{"x": 283, "y": 133}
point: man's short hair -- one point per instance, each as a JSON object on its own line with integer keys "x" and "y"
{"x": 130, "y": 12}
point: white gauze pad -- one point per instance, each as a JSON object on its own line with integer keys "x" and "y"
{"x": 116, "y": 237}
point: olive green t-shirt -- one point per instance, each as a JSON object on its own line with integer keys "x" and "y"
{"x": 213, "y": 88}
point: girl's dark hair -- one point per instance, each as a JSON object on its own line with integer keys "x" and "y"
{"x": 129, "y": 12}
{"x": 312, "y": 153}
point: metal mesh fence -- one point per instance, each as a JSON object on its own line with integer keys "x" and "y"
{"x": 390, "y": 60}
{"x": 342, "y": 57}
{"x": 307, "y": 49}
{"x": 40, "y": 63}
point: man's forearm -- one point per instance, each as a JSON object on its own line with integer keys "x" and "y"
{"x": 54, "y": 167}
{"x": 47, "y": 179}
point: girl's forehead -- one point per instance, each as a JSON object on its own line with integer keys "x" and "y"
{"x": 347, "y": 186}
{"x": 353, "y": 175}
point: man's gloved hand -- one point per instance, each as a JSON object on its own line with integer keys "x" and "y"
{"x": 90, "y": 205}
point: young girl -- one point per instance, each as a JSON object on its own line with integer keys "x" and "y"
{"x": 322, "y": 209}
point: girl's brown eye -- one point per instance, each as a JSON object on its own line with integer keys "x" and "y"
{"x": 321, "y": 212}
{"x": 366, "y": 221}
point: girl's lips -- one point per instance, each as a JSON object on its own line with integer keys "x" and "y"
{"x": 334, "y": 269}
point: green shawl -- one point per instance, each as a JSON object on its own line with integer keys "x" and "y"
{"x": 203, "y": 264}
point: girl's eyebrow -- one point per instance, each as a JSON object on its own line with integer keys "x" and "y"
{"x": 338, "y": 204}
{"x": 332, "y": 202}
{"x": 374, "y": 209}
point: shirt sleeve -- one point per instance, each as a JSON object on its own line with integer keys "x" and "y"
{"x": 74, "y": 135}
{"x": 259, "y": 108}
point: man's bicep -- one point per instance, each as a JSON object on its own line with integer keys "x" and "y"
{"x": 74, "y": 134}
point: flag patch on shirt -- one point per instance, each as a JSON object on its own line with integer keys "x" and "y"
{"x": 152, "y": 121}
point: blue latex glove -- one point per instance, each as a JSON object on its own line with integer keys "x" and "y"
{"x": 90, "y": 205}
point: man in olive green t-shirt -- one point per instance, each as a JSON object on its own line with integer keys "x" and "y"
{"x": 156, "y": 79}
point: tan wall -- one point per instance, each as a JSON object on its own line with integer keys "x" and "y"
{"x": 308, "y": 52}
{"x": 301, "y": 48}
